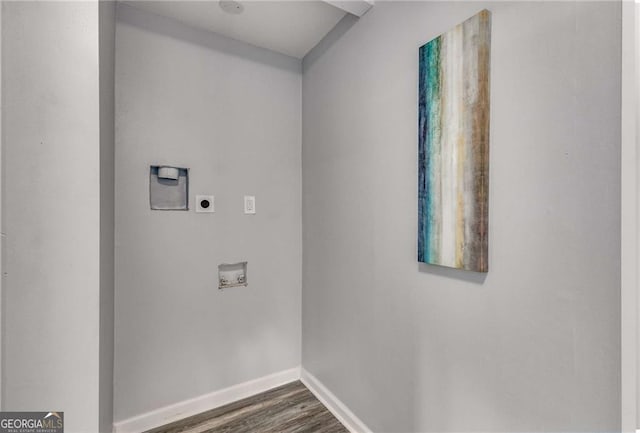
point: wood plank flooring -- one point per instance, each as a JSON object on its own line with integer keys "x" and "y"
{"x": 290, "y": 408}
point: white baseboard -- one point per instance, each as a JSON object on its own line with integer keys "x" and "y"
{"x": 335, "y": 406}
{"x": 187, "y": 408}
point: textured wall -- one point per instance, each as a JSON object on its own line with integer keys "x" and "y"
{"x": 232, "y": 114}
{"x": 535, "y": 344}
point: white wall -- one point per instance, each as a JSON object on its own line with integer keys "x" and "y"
{"x": 535, "y": 344}
{"x": 1, "y": 225}
{"x": 632, "y": 67}
{"x": 629, "y": 218}
{"x": 51, "y": 209}
{"x": 232, "y": 114}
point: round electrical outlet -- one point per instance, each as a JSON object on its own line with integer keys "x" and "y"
{"x": 205, "y": 203}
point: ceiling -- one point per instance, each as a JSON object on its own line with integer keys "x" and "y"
{"x": 288, "y": 27}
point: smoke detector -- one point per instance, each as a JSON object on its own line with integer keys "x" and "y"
{"x": 231, "y": 7}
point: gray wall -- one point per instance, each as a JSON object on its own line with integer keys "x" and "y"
{"x": 232, "y": 114}
{"x": 51, "y": 209}
{"x": 534, "y": 345}
{"x": 107, "y": 29}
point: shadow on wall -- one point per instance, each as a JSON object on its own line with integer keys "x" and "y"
{"x": 457, "y": 274}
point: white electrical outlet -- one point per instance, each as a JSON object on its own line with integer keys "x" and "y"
{"x": 249, "y": 204}
{"x": 205, "y": 204}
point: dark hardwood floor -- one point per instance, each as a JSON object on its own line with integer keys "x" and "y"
{"x": 290, "y": 408}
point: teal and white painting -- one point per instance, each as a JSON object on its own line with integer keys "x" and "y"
{"x": 453, "y": 146}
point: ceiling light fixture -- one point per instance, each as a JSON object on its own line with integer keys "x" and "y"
{"x": 231, "y": 7}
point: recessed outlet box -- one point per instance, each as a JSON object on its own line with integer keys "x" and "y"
{"x": 205, "y": 204}
{"x": 249, "y": 204}
{"x": 232, "y": 275}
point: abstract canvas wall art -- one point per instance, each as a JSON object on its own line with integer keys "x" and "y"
{"x": 453, "y": 146}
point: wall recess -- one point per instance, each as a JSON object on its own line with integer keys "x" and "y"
{"x": 168, "y": 188}
{"x": 232, "y": 275}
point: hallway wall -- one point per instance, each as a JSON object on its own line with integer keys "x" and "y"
{"x": 629, "y": 218}
{"x": 534, "y": 345}
{"x": 51, "y": 210}
{"x": 2, "y": 265}
{"x": 231, "y": 113}
{"x": 637, "y": 167}
{"x": 107, "y": 29}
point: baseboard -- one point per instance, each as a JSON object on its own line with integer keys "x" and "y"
{"x": 335, "y": 406}
{"x": 187, "y": 408}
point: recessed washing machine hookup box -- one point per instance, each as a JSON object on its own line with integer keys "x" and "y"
{"x": 232, "y": 275}
{"x": 169, "y": 188}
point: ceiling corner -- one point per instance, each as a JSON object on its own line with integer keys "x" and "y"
{"x": 354, "y": 7}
